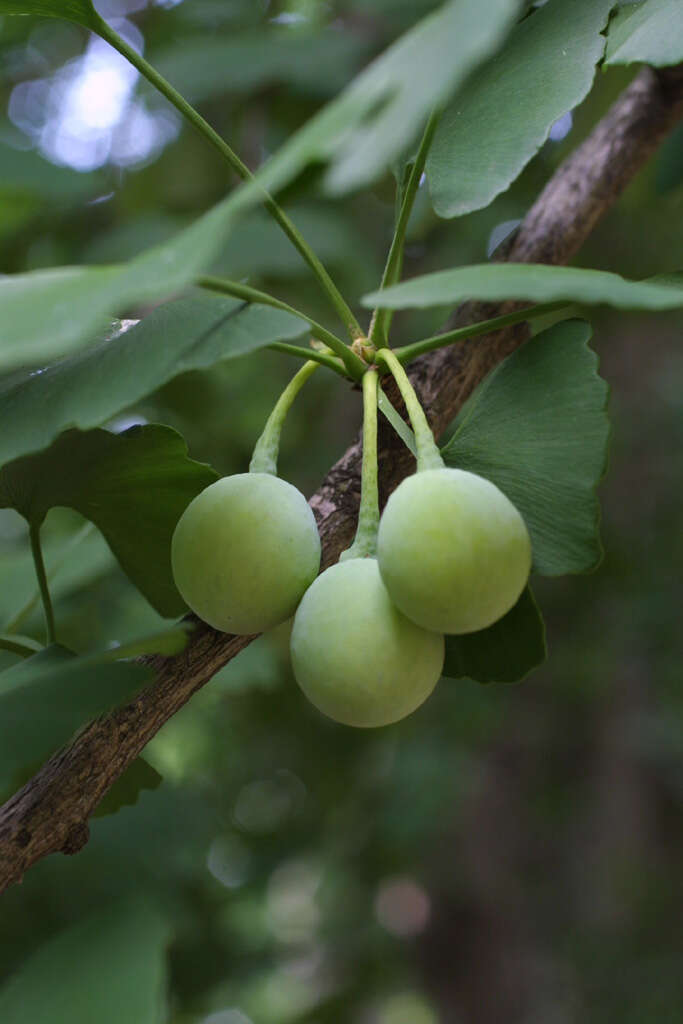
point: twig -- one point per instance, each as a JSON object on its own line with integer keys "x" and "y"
{"x": 51, "y": 812}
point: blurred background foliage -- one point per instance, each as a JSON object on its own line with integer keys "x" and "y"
{"x": 506, "y": 853}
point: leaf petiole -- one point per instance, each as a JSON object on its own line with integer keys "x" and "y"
{"x": 65, "y": 554}
{"x": 409, "y": 352}
{"x": 381, "y": 318}
{"x": 37, "y": 552}
{"x": 399, "y": 425}
{"x": 428, "y": 454}
{"x": 331, "y": 362}
{"x": 274, "y": 209}
{"x": 25, "y": 646}
{"x": 352, "y": 362}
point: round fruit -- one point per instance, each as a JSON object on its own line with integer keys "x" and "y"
{"x": 453, "y": 551}
{"x": 244, "y": 551}
{"x": 355, "y": 656}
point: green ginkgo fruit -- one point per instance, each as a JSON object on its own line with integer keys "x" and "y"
{"x": 244, "y": 552}
{"x": 355, "y": 656}
{"x": 453, "y": 551}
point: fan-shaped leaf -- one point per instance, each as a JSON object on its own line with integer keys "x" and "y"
{"x": 134, "y": 486}
{"x": 137, "y": 778}
{"x": 534, "y": 282}
{"x": 538, "y": 428}
{"x": 504, "y": 112}
{"x": 90, "y": 387}
{"x": 47, "y": 697}
{"x": 80, "y": 11}
{"x": 108, "y": 968}
{"x": 650, "y": 32}
{"x": 383, "y": 109}
{"x": 505, "y": 652}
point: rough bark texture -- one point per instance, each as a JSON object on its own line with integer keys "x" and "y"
{"x": 50, "y": 814}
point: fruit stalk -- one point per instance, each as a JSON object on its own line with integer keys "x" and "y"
{"x": 264, "y": 459}
{"x": 428, "y": 454}
{"x": 365, "y": 541}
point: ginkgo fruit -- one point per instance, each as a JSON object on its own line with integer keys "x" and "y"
{"x": 244, "y": 552}
{"x": 357, "y": 658}
{"x": 453, "y": 551}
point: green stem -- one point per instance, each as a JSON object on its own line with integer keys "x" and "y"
{"x": 310, "y": 353}
{"x": 428, "y": 455}
{"x": 352, "y": 362}
{"x": 381, "y": 318}
{"x": 276, "y": 211}
{"x": 399, "y": 424}
{"x": 65, "y": 554}
{"x": 365, "y": 542}
{"x": 26, "y": 646}
{"x": 408, "y": 352}
{"x": 36, "y": 551}
{"x": 264, "y": 459}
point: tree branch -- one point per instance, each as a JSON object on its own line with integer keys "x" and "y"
{"x": 51, "y": 812}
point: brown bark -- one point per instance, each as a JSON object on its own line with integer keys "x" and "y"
{"x": 50, "y": 814}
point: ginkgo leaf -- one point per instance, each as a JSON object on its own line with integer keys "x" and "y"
{"x": 134, "y": 486}
{"x": 538, "y": 428}
{"x": 535, "y": 282}
{"x": 505, "y": 652}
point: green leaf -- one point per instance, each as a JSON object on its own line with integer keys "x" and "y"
{"x": 384, "y": 108}
{"x": 166, "y": 642}
{"x": 133, "y": 486}
{"x": 24, "y": 171}
{"x": 72, "y": 561}
{"x": 319, "y": 62}
{"x": 126, "y": 790}
{"x": 80, "y": 11}
{"x": 109, "y": 968}
{"x": 47, "y": 313}
{"x": 90, "y": 387}
{"x": 505, "y": 652}
{"x": 650, "y": 32}
{"x": 46, "y": 698}
{"x": 504, "y": 112}
{"x": 534, "y": 282}
{"x": 538, "y": 428}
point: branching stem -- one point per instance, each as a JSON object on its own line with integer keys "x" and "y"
{"x": 352, "y": 362}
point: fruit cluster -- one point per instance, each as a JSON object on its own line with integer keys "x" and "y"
{"x": 450, "y": 554}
